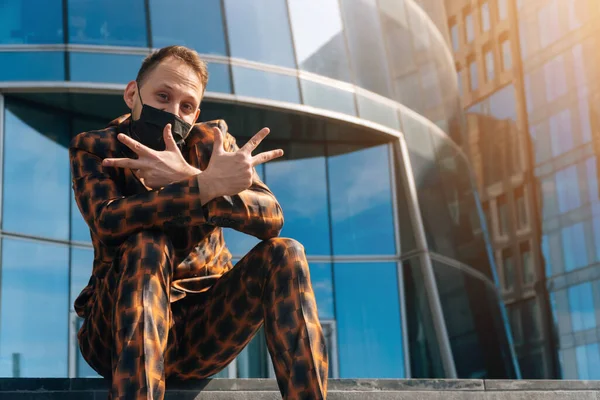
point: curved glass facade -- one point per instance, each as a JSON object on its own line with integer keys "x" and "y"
{"x": 361, "y": 95}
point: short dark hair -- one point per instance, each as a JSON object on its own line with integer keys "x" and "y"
{"x": 188, "y": 56}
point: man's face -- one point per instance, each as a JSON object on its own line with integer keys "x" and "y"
{"x": 172, "y": 86}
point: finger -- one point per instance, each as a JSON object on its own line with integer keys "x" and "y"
{"x": 255, "y": 140}
{"x": 170, "y": 144}
{"x": 266, "y": 157}
{"x": 218, "y": 142}
{"x": 134, "y": 145}
{"x": 122, "y": 163}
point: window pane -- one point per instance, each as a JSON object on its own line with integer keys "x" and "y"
{"x": 473, "y": 75}
{"x": 567, "y": 189}
{"x": 362, "y": 220}
{"x": 588, "y": 362}
{"x": 581, "y": 304}
{"x": 101, "y": 67}
{"x": 506, "y": 55}
{"x": 375, "y": 111}
{"x": 489, "y": 65}
{"x": 199, "y": 25}
{"x": 259, "y": 30}
{"x": 485, "y": 16}
{"x": 31, "y": 22}
{"x": 81, "y": 269}
{"x": 514, "y": 315}
{"x": 319, "y": 38}
{"x": 561, "y": 133}
{"x": 36, "y": 173}
{"x": 32, "y": 66}
{"x": 548, "y": 23}
{"x": 531, "y": 319}
{"x": 369, "y": 346}
{"x": 322, "y": 283}
{"x": 300, "y": 185}
{"x": 472, "y": 315}
{"x": 327, "y": 97}
{"x": 508, "y": 271}
{"x": 574, "y": 248}
{"x": 219, "y": 78}
{"x": 528, "y": 267}
{"x": 107, "y": 22}
{"x": 502, "y": 216}
{"x": 366, "y": 45}
{"x": 35, "y": 304}
{"x": 454, "y": 34}
{"x": 502, "y": 9}
{"x": 265, "y": 85}
{"x": 522, "y": 218}
{"x": 469, "y": 28}
{"x": 555, "y": 78}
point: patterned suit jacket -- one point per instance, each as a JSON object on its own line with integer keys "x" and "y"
{"x": 115, "y": 204}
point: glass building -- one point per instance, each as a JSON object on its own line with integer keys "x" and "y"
{"x": 361, "y": 94}
{"x": 529, "y": 72}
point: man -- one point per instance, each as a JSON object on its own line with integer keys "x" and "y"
{"x": 164, "y": 300}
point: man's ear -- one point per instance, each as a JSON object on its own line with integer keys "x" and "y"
{"x": 130, "y": 94}
{"x": 197, "y": 115}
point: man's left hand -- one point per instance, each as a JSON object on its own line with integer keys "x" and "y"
{"x": 155, "y": 169}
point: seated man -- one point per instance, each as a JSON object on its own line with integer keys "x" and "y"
{"x": 164, "y": 299}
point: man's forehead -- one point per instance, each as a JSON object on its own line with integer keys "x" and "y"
{"x": 173, "y": 74}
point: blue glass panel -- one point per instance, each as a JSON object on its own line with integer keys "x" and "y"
{"x": 265, "y": 85}
{"x": 574, "y": 246}
{"x": 32, "y": 66}
{"x": 191, "y": 23}
{"x": 319, "y": 38}
{"x": 592, "y": 180}
{"x": 361, "y": 201}
{"x": 567, "y": 189}
{"x": 581, "y": 304}
{"x": 368, "y": 324}
{"x": 79, "y": 229}
{"x": 81, "y": 269}
{"x": 31, "y": 22}
{"x": 588, "y": 362}
{"x": 219, "y": 78}
{"x": 259, "y": 30}
{"x": 327, "y": 97}
{"x": 104, "y": 68}
{"x": 322, "y": 284}
{"x": 300, "y": 186}
{"x": 239, "y": 243}
{"x": 107, "y": 22}
{"x": 35, "y": 301}
{"x": 36, "y": 173}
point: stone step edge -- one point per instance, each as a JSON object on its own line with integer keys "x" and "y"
{"x": 334, "y": 385}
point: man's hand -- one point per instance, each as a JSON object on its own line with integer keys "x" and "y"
{"x": 229, "y": 173}
{"x": 155, "y": 169}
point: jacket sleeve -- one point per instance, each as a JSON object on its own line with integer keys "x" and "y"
{"x": 113, "y": 217}
{"x": 254, "y": 211}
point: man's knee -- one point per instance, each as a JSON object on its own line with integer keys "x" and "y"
{"x": 286, "y": 254}
{"x": 148, "y": 248}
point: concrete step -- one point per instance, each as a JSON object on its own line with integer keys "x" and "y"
{"x": 351, "y": 389}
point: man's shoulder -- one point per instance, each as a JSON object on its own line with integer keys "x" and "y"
{"x": 203, "y": 132}
{"x": 99, "y": 142}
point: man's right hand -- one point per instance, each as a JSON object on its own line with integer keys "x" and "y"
{"x": 229, "y": 173}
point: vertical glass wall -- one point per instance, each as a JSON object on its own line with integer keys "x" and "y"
{"x": 561, "y": 90}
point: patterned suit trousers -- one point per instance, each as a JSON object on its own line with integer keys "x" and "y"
{"x": 137, "y": 338}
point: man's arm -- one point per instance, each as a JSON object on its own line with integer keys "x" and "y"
{"x": 254, "y": 211}
{"x": 113, "y": 217}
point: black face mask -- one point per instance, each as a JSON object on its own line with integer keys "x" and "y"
{"x": 148, "y": 129}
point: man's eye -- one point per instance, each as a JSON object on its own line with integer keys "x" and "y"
{"x": 162, "y": 96}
